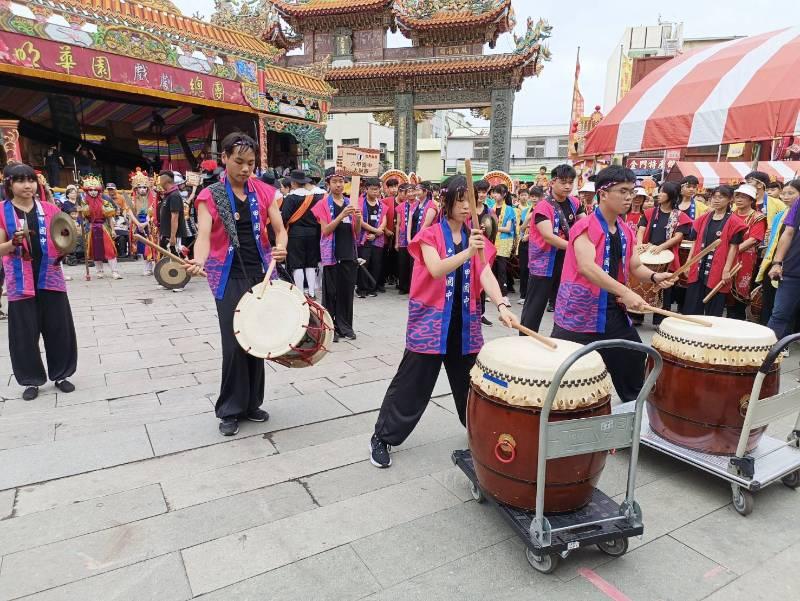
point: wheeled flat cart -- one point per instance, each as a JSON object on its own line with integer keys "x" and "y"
{"x": 603, "y": 522}
{"x": 772, "y": 459}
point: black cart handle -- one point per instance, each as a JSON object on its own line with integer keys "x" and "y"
{"x": 776, "y": 350}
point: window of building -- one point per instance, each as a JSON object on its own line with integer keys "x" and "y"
{"x": 349, "y": 142}
{"x": 535, "y": 148}
{"x": 480, "y": 150}
{"x": 384, "y": 149}
{"x": 328, "y": 150}
{"x": 563, "y": 148}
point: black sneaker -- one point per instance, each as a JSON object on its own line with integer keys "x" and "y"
{"x": 372, "y": 294}
{"x": 379, "y": 452}
{"x": 65, "y": 386}
{"x": 551, "y": 308}
{"x": 229, "y": 426}
{"x": 350, "y": 336}
{"x": 361, "y": 295}
{"x": 485, "y": 321}
{"x": 31, "y": 392}
{"x": 336, "y": 337}
{"x": 257, "y": 415}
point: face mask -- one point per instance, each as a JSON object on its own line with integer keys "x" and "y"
{"x": 184, "y": 195}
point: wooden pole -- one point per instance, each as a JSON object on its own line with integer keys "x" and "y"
{"x": 473, "y": 206}
{"x": 183, "y": 262}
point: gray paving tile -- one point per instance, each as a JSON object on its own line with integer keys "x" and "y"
{"x": 134, "y": 475}
{"x": 7, "y": 502}
{"x": 37, "y": 463}
{"x": 410, "y": 549}
{"x": 362, "y": 397}
{"x": 748, "y": 541}
{"x": 322, "y": 432}
{"x": 664, "y": 569}
{"x": 309, "y": 579}
{"x": 14, "y": 436}
{"x": 68, "y": 521}
{"x": 201, "y": 430}
{"x": 78, "y": 558}
{"x": 230, "y": 559}
{"x": 773, "y": 579}
{"x": 159, "y": 579}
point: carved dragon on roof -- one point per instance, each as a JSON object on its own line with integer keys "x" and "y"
{"x": 258, "y": 18}
{"x": 535, "y": 34}
{"x": 423, "y": 9}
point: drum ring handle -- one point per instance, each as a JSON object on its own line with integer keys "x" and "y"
{"x": 505, "y": 445}
{"x": 744, "y": 402}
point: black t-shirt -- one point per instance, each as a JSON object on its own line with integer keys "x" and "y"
{"x": 343, "y": 236}
{"x": 456, "y": 315}
{"x": 713, "y": 232}
{"x": 172, "y": 203}
{"x": 373, "y": 217}
{"x": 307, "y": 226}
{"x": 566, "y": 208}
{"x": 614, "y": 265}
{"x": 658, "y": 229}
{"x": 417, "y": 219}
{"x": 248, "y": 248}
{"x": 36, "y": 248}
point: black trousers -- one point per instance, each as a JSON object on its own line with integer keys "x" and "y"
{"x": 373, "y": 255}
{"x": 541, "y": 290}
{"x": 48, "y": 315}
{"x": 404, "y": 266}
{"x": 693, "y": 303}
{"x": 338, "y": 288}
{"x": 500, "y": 269}
{"x": 389, "y": 267}
{"x": 523, "y": 269}
{"x": 625, "y": 367}
{"x": 242, "y": 386}
{"x": 767, "y": 301}
{"x": 411, "y": 389}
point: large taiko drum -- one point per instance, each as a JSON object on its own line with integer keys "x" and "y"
{"x": 652, "y": 293}
{"x": 701, "y": 397}
{"x": 508, "y": 386}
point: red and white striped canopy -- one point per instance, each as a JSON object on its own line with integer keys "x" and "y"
{"x": 737, "y": 91}
{"x": 717, "y": 174}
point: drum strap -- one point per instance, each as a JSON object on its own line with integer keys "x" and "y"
{"x": 301, "y": 210}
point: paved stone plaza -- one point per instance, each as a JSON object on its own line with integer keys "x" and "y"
{"x": 124, "y": 490}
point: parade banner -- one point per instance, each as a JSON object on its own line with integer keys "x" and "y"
{"x": 358, "y": 161}
{"x": 193, "y": 178}
{"x": 64, "y": 61}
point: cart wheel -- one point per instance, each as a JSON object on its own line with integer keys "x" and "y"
{"x": 743, "y": 501}
{"x": 476, "y": 492}
{"x": 615, "y": 547}
{"x": 546, "y": 564}
{"x": 792, "y": 480}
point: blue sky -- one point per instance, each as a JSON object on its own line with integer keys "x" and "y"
{"x": 597, "y": 28}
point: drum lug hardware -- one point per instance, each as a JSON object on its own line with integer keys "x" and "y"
{"x": 505, "y": 451}
{"x": 744, "y": 402}
{"x": 746, "y": 465}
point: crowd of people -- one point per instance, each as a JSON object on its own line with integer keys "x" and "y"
{"x": 572, "y": 246}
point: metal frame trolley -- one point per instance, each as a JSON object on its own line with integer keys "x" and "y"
{"x": 602, "y": 522}
{"x": 772, "y": 460}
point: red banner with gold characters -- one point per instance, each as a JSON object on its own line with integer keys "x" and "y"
{"x": 77, "y": 61}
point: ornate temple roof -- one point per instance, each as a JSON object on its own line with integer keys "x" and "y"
{"x": 309, "y": 8}
{"x": 436, "y": 14}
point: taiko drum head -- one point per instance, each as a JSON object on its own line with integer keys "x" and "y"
{"x": 272, "y": 325}
{"x": 729, "y": 342}
{"x": 518, "y": 371}
{"x": 665, "y": 257}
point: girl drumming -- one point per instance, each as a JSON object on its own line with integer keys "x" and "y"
{"x": 444, "y": 320}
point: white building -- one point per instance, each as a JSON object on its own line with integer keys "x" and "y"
{"x": 532, "y": 147}
{"x": 356, "y": 129}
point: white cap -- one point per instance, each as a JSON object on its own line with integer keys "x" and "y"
{"x": 748, "y": 190}
{"x": 640, "y": 192}
{"x": 179, "y": 180}
{"x": 587, "y": 187}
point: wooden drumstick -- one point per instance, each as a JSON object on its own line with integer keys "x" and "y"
{"x": 183, "y": 262}
{"x": 688, "y": 265}
{"x": 267, "y": 277}
{"x": 473, "y": 206}
{"x": 721, "y": 283}
{"x": 548, "y": 342}
{"x": 665, "y": 313}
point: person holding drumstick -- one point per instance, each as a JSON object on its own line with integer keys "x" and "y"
{"x": 715, "y": 267}
{"x": 593, "y": 296}
{"x": 664, "y": 227}
{"x": 233, "y": 248}
{"x": 444, "y": 314}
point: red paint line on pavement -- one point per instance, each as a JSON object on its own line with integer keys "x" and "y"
{"x": 713, "y": 572}
{"x": 605, "y": 587}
